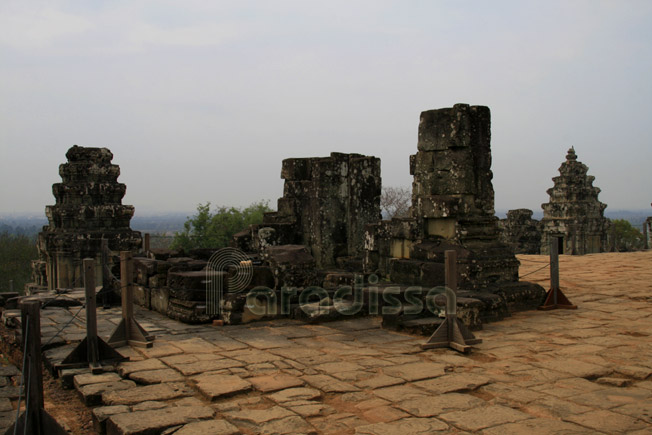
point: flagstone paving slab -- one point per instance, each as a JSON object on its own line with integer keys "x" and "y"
{"x": 483, "y": 417}
{"x": 155, "y": 421}
{"x": 607, "y": 421}
{"x": 276, "y": 382}
{"x": 407, "y": 426}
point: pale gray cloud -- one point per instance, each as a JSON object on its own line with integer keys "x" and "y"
{"x": 202, "y": 100}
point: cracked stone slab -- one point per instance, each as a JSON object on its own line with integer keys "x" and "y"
{"x": 256, "y": 417}
{"x": 214, "y": 387}
{"x": 329, "y": 384}
{"x": 101, "y": 414}
{"x": 452, "y": 383}
{"x": 607, "y": 421}
{"x": 208, "y": 427}
{"x": 92, "y": 394}
{"x": 160, "y": 349}
{"x": 406, "y": 426}
{"x": 192, "y": 364}
{"x": 294, "y": 394}
{"x": 539, "y": 426}
{"x": 89, "y": 378}
{"x": 276, "y": 382}
{"x": 416, "y": 371}
{"x": 380, "y": 381}
{"x": 125, "y": 368}
{"x": 307, "y": 408}
{"x": 612, "y": 397}
{"x": 149, "y": 377}
{"x": 430, "y": 406}
{"x": 156, "y": 392}
{"x": 384, "y": 414}
{"x": 400, "y": 392}
{"x": 483, "y": 417}
{"x": 155, "y": 421}
{"x": 576, "y": 368}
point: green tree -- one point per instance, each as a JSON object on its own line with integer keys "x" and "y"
{"x": 16, "y": 255}
{"x": 628, "y": 238}
{"x": 215, "y": 230}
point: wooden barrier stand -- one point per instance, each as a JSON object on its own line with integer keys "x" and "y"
{"x": 128, "y": 330}
{"x": 92, "y": 351}
{"x": 555, "y": 298}
{"x": 452, "y": 333}
{"x": 34, "y": 420}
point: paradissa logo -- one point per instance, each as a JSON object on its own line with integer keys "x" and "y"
{"x": 348, "y": 300}
{"x": 230, "y": 270}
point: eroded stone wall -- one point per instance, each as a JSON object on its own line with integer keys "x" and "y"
{"x": 326, "y": 203}
{"x": 521, "y": 232}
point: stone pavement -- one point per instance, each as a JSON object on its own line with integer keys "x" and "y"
{"x": 583, "y": 371}
{"x": 9, "y": 378}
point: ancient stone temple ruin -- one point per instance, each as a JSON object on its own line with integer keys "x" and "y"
{"x": 574, "y": 213}
{"x": 452, "y": 209}
{"x": 326, "y": 203}
{"x": 521, "y": 232}
{"x": 88, "y": 209}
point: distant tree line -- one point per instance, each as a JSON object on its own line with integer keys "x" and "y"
{"x": 208, "y": 229}
{"x": 16, "y": 254}
{"x": 628, "y": 237}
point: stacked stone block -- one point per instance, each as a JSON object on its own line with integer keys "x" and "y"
{"x": 521, "y": 232}
{"x": 326, "y": 203}
{"x": 574, "y": 213}
{"x": 452, "y": 209}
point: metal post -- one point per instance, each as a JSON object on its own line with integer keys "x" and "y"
{"x": 127, "y": 290}
{"x": 450, "y": 277}
{"x": 91, "y": 315}
{"x": 146, "y": 243}
{"x": 554, "y": 267}
{"x": 106, "y": 283}
{"x": 555, "y": 297}
{"x": 32, "y": 313}
{"x": 645, "y": 235}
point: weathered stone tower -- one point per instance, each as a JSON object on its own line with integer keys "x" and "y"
{"x": 326, "y": 203}
{"x": 88, "y": 209}
{"x": 521, "y": 232}
{"x": 574, "y": 213}
{"x": 452, "y": 208}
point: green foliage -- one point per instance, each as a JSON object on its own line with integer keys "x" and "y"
{"x": 628, "y": 238}
{"x": 16, "y": 253}
{"x": 215, "y": 230}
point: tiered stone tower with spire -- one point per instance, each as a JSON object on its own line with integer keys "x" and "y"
{"x": 574, "y": 213}
{"x": 88, "y": 209}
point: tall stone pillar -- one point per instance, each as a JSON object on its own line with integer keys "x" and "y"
{"x": 452, "y": 209}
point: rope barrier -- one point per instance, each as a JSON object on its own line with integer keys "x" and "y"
{"x": 534, "y": 271}
{"x": 22, "y": 376}
{"x": 29, "y": 385}
{"x": 532, "y": 261}
{"x": 64, "y": 326}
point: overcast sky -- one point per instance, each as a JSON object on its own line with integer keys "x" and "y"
{"x": 202, "y": 100}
